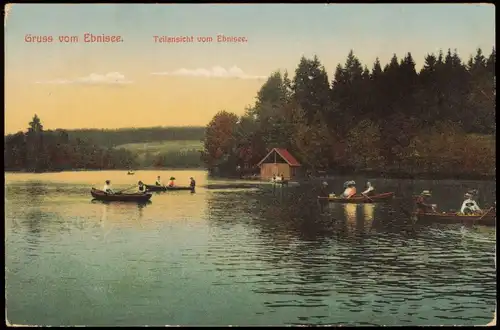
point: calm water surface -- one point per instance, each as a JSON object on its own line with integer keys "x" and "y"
{"x": 239, "y": 256}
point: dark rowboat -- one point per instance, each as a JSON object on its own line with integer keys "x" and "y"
{"x": 359, "y": 199}
{"x": 119, "y": 197}
{"x": 150, "y": 187}
{"x": 165, "y": 188}
{"x": 488, "y": 219}
{"x": 179, "y": 188}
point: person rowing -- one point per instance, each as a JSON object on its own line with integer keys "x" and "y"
{"x": 141, "y": 187}
{"x": 469, "y": 205}
{"x": 369, "y": 190}
{"x": 423, "y": 205}
{"x": 172, "y": 182}
{"x": 107, "y": 188}
{"x": 350, "y": 189}
{"x": 158, "y": 181}
{"x": 323, "y": 190}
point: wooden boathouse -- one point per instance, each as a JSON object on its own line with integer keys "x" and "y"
{"x": 279, "y": 161}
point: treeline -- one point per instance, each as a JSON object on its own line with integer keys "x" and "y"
{"x": 38, "y": 150}
{"x": 388, "y": 120}
{"x": 117, "y": 137}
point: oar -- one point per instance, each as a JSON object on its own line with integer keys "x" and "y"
{"x": 491, "y": 208}
{"x": 371, "y": 200}
{"x": 119, "y": 192}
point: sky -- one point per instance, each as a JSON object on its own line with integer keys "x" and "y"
{"x": 142, "y": 83}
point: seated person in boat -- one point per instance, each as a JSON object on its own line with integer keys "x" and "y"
{"x": 369, "y": 190}
{"x": 107, "y": 188}
{"x": 469, "y": 206}
{"x": 192, "y": 184}
{"x": 141, "y": 187}
{"x": 350, "y": 190}
{"x": 172, "y": 182}
{"x": 158, "y": 181}
{"x": 423, "y": 205}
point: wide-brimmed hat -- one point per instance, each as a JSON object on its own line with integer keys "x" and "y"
{"x": 172, "y": 178}
{"x": 140, "y": 182}
{"x": 425, "y": 193}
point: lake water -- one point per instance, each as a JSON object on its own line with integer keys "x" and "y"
{"x": 258, "y": 256}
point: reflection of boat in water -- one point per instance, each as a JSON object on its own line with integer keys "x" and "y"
{"x": 119, "y": 197}
{"x": 488, "y": 219}
{"x": 140, "y": 204}
{"x": 359, "y": 199}
{"x": 350, "y": 211}
{"x": 368, "y": 211}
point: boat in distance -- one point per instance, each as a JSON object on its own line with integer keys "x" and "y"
{"x": 120, "y": 197}
{"x": 359, "y": 199}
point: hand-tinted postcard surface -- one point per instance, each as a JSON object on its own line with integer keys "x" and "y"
{"x": 250, "y": 164}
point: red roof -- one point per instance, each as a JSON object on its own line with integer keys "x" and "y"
{"x": 285, "y": 155}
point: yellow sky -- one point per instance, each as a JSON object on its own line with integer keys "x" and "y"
{"x": 83, "y": 85}
{"x": 154, "y": 101}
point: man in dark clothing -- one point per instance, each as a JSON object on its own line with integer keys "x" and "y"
{"x": 323, "y": 191}
{"x": 141, "y": 188}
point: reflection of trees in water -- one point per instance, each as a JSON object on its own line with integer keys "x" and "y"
{"x": 36, "y": 191}
{"x": 318, "y": 251}
{"x": 34, "y": 228}
{"x": 294, "y": 215}
{"x": 107, "y": 207}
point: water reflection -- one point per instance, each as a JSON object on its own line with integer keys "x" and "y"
{"x": 290, "y": 260}
{"x": 362, "y": 253}
{"x": 36, "y": 191}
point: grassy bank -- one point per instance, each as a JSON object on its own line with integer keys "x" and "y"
{"x": 167, "y": 154}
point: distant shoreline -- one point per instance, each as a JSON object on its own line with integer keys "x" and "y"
{"x": 389, "y": 176}
{"x": 111, "y": 169}
{"x": 329, "y": 174}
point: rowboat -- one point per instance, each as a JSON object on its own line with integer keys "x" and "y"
{"x": 488, "y": 219}
{"x": 166, "y": 188}
{"x": 359, "y": 199}
{"x": 119, "y": 197}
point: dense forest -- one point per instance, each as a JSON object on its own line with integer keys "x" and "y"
{"x": 39, "y": 150}
{"x": 42, "y": 150}
{"x": 117, "y": 137}
{"x": 389, "y": 120}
